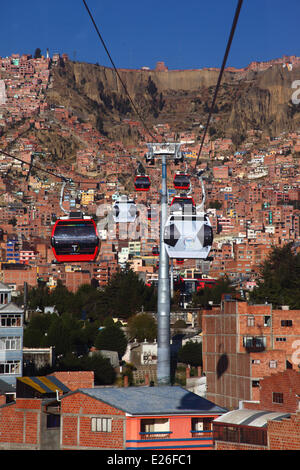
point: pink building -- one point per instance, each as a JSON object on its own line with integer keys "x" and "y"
{"x": 137, "y": 418}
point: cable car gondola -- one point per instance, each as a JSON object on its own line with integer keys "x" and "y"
{"x": 181, "y": 181}
{"x": 74, "y": 238}
{"x": 155, "y": 251}
{"x": 188, "y": 236}
{"x": 142, "y": 183}
{"x": 183, "y": 204}
{"x": 124, "y": 210}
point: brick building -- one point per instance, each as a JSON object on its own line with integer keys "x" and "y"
{"x": 244, "y": 343}
{"x": 32, "y": 421}
{"x": 272, "y": 423}
{"x": 64, "y": 411}
{"x": 136, "y": 418}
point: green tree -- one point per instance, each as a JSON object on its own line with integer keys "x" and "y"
{"x": 279, "y": 281}
{"x": 112, "y": 338}
{"x": 191, "y": 353}
{"x": 142, "y": 326}
{"x": 103, "y": 370}
{"x": 36, "y": 330}
{"x": 62, "y": 298}
{"x": 89, "y": 303}
{"x": 214, "y": 294}
{"x": 58, "y": 335}
{"x": 125, "y": 295}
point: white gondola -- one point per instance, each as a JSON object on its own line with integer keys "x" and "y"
{"x": 124, "y": 210}
{"x": 188, "y": 236}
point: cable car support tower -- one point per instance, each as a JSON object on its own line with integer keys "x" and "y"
{"x": 165, "y": 152}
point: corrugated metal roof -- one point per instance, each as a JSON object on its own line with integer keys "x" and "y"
{"x": 45, "y": 384}
{"x": 246, "y": 417}
{"x": 154, "y": 400}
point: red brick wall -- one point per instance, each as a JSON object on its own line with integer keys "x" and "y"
{"x": 222, "y": 445}
{"x": 287, "y": 383}
{"x": 77, "y": 409}
{"x": 285, "y": 434}
{"x": 75, "y": 380}
{"x": 290, "y": 333}
{"x": 2, "y": 400}
{"x": 19, "y": 424}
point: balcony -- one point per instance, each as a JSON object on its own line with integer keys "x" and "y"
{"x": 240, "y": 434}
{"x": 254, "y": 343}
{"x": 155, "y": 435}
{"x": 202, "y": 434}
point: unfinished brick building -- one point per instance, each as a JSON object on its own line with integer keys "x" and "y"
{"x": 272, "y": 423}
{"x": 244, "y": 343}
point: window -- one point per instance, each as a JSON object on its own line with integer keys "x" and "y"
{"x": 277, "y": 397}
{"x": 255, "y": 383}
{"x": 10, "y": 320}
{"x": 286, "y": 323}
{"x": 255, "y": 361}
{"x": 154, "y": 425}
{"x": 267, "y": 320}
{"x": 10, "y": 343}
{"x": 10, "y": 367}
{"x": 53, "y": 421}
{"x": 248, "y": 341}
{"x": 254, "y": 342}
{"x": 280, "y": 339}
{"x": 201, "y": 424}
{"x": 250, "y": 320}
{"x": 273, "y": 364}
{"x": 155, "y": 428}
{"x": 101, "y": 424}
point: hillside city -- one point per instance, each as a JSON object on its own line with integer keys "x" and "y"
{"x": 253, "y": 203}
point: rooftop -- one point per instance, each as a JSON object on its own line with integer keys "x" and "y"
{"x": 250, "y": 417}
{"x": 154, "y": 400}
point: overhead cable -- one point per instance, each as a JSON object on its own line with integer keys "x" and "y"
{"x": 116, "y": 70}
{"x": 233, "y": 27}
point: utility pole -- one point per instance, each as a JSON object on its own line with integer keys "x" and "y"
{"x": 163, "y": 151}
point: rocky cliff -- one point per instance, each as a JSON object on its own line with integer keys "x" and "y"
{"x": 247, "y": 99}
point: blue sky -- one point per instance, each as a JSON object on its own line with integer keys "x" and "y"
{"x": 185, "y": 35}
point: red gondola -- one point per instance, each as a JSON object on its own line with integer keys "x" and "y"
{"x": 181, "y": 181}
{"x": 155, "y": 251}
{"x": 75, "y": 239}
{"x": 183, "y": 204}
{"x": 142, "y": 183}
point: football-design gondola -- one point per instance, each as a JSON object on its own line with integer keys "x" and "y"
{"x": 124, "y": 210}
{"x": 188, "y": 236}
